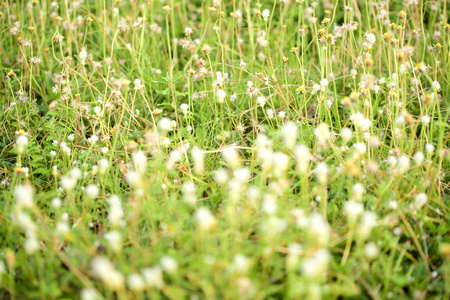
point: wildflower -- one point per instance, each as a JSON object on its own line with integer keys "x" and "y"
{"x": 123, "y": 25}
{"x": 165, "y": 124}
{"x": 323, "y": 84}
{"x": 289, "y": 133}
{"x": 358, "y": 191}
{"x": 136, "y": 282}
{"x": 138, "y": 86}
{"x": 421, "y": 200}
{"x": 205, "y": 219}
{"x": 370, "y": 40}
{"x": 353, "y": 209}
{"x": 189, "y": 193}
{"x": 436, "y": 86}
{"x": 322, "y": 173}
{"x": 114, "y": 239}
{"x": 154, "y": 277}
{"x": 188, "y": 31}
{"x": 261, "y": 101}
{"x": 221, "y": 176}
{"x": 115, "y": 211}
{"x": 265, "y": 15}
{"x": 322, "y": 134}
{"x": 419, "y": 158}
{"x": 368, "y": 222}
{"x": 21, "y": 142}
{"x": 231, "y": 156}
{"x": 241, "y": 264}
{"x": 24, "y": 196}
{"x": 82, "y": 56}
{"x": 103, "y": 269}
{"x": 346, "y": 135}
{"x": 168, "y": 264}
{"x": 220, "y": 95}
{"x": 301, "y": 90}
{"x": 317, "y": 264}
{"x": 302, "y": 156}
{"x": 371, "y": 250}
{"x": 89, "y": 294}
{"x": 198, "y": 157}
{"x": 92, "y": 191}
{"x": 281, "y": 114}
{"x": 429, "y": 148}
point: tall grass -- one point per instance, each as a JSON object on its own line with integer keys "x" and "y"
{"x": 224, "y": 149}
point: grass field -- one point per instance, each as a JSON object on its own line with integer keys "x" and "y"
{"x": 239, "y": 149}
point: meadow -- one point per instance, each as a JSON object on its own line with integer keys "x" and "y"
{"x": 174, "y": 149}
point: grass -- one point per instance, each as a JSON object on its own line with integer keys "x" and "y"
{"x": 224, "y": 149}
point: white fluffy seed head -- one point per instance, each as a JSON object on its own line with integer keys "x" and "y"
{"x": 23, "y": 195}
{"x": 140, "y": 161}
{"x": 92, "y": 191}
{"x": 289, "y": 133}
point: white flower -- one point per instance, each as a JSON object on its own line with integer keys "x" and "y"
{"x": 231, "y": 156}
{"x": 189, "y": 193}
{"x": 289, "y": 133}
{"x": 266, "y": 14}
{"x": 115, "y": 240}
{"x": 23, "y": 195}
{"x": 136, "y": 282}
{"x": 358, "y": 191}
{"x": 317, "y": 264}
{"x": 115, "y": 211}
{"x": 168, "y": 264}
{"x": 322, "y": 134}
{"x": 353, "y": 209}
{"x": 371, "y": 250}
{"x": 322, "y": 172}
{"x": 21, "y": 142}
{"x": 184, "y": 108}
{"x": 403, "y": 164}
{"x": 360, "y": 148}
{"x": 89, "y": 294}
{"x": 82, "y": 56}
{"x": 92, "y": 191}
{"x": 221, "y": 176}
{"x": 302, "y": 156}
{"x": 426, "y": 120}
{"x": 418, "y": 158}
{"x": 429, "y": 148}
{"x": 205, "y": 219}
{"x": 315, "y": 89}
{"x": 346, "y": 134}
{"x": 198, "y": 157}
{"x": 154, "y": 277}
{"x": 103, "y": 165}
{"x": 188, "y": 31}
{"x": 323, "y": 83}
{"x": 165, "y": 124}
{"x": 261, "y": 101}
{"x": 140, "y": 161}
{"x": 241, "y": 264}
{"x": 103, "y": 269}
{"x": 68, "y": 183}
{"x": 368, "y": 221}
{"x": 421, "y": 200}
{"x": 220, "y": 94}
{"x": 436, "y": 86}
